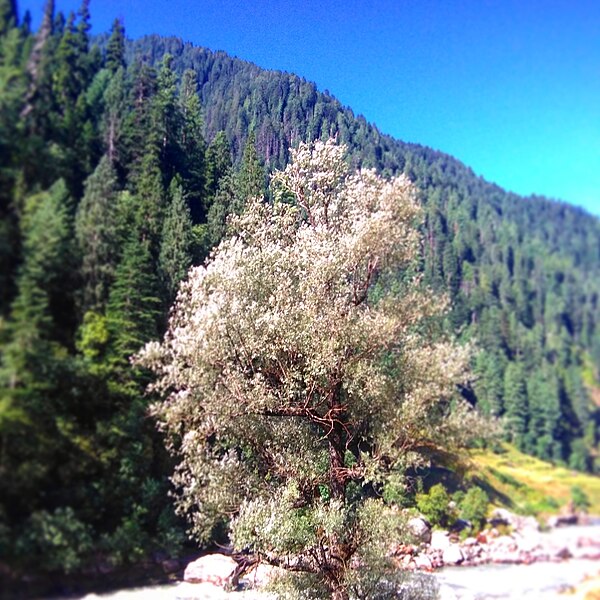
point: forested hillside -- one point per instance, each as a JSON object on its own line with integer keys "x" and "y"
{"x": 521, "y": 273}
{"x": 119, "y": 162}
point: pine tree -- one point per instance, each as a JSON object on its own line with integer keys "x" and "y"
{"x": 134, "y": 301}
{"x": 193, "y": 147}
{"x": 166, "y": 121}
{"x": 114, "y": 116}
{"x": 489, "y": 370}
{"x": 95, "y": 230}
{"x": 26, "y": 24}
{"x": 115, "y": 50}
{"x": 84, "y": 63}
{"x": 13, "y": 86}
{"x": 175, "y": 256}
{"x": 515, "y": 401}
{"x": 151, "y": 200}
{"x": 9, "y": 18}
{"x": 225, "y": 202}
{"x": 218, "y": 164}
{"x": 138, "y": 124}
{"x": 67, "y": 80}
{"x": 251, "y": 176}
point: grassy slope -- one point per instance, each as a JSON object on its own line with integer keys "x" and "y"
{"x": 529, "y": 485}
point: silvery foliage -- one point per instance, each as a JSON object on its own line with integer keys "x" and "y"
{"x": 290, "y": 329}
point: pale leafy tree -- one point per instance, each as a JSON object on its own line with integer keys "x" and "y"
{"x": 300, "y": 380}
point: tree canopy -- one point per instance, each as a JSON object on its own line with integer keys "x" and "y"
{"x": 298, "y": 379}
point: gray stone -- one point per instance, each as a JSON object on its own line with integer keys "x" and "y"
{"x": 420, "y": 529}
{"x": 439, "y": 540}
{"x": 422, "y": 561}
{"x": 262, "y": 574}
{"x": 453, "y": 555}
{"x": 212, "y": 568}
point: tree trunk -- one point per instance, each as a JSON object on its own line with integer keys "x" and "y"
{"x": 337, "y": 481}
{"x": 337, "y": 448}
{"x": 340, "y": 594}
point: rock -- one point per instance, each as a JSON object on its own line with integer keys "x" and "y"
{"x": 586, "y": 552}
{"x": 528, "y": 524}
{"x": 506, "y": 542}
{"x": 482, "y": 537}
{"x": 423, "y": 562}
{"x": 586, "y": 542}
{"x": 407, "y": 562}
{"x": 460, "y": 525}
{"x": 502, "y": 556}
{"x": 529, "y": 543}
{"x": 439, "y": 540}
{"x": 504, "y": 518}
{"x": 420, "y": 528}
{"x": 562, "y": 553}
{"x": 562, "y": 520}
{"x": 504, "y": 550}
{"x": 262, "y": 574}
{"x": 402, "y": 549}
{"x": 472, "y": 553}
{"x": 501, "y": 516}
{"x": 212, "y": 568}
{"x": 453, "y": 555}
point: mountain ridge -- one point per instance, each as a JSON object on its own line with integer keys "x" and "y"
{"x": 186, "y": 55}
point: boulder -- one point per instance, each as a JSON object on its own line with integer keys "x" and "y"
{"x": 439, "y": 540}
{"x": 502, "y": 517}
{"x": 262, "y": 574}
{"x": 453, "y": 555}
{"x": 470, "y": 541}
{"x": 562, "y": 553}
{"x": 460, "y": 525}
{"x": 420, "y": 528}
{"x": 562, "y": 520}
{"x": 216, "y": 569}
{"x": 423, "y": 562}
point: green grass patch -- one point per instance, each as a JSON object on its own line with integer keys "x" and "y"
{"x": 529, "y": 485}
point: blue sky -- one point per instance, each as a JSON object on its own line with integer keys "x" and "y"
{"x": 509, "y": 87}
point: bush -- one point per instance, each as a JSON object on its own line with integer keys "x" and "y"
{"x": 435, "y": 505}
{"x": 580, "y": 499}
{"x": 474, "y": 507}
{"x": 56, "y": 541}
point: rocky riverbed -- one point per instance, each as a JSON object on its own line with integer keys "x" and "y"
{"x": 510, "y": 539}
{"x": 512, "y": 559}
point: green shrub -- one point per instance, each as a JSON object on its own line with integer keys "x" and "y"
{"x": 435, "y": 505}
{"x": 474, "y": 506}
{"x": 580, "y": 499}
{"x": 56, "y": 541}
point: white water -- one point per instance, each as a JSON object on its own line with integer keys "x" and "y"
{"x": 539, "y": 581}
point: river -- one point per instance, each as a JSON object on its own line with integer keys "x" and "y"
{"x": 539, "y": 581}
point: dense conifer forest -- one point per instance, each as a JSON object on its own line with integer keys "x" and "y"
{"x": 119, "y": 163}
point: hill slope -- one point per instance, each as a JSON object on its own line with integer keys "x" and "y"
{"x": 523, "y": 274}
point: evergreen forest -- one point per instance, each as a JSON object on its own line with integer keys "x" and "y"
{"x": 120, "y": 161}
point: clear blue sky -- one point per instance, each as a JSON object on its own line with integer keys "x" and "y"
{"x": 509, "y": 87}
